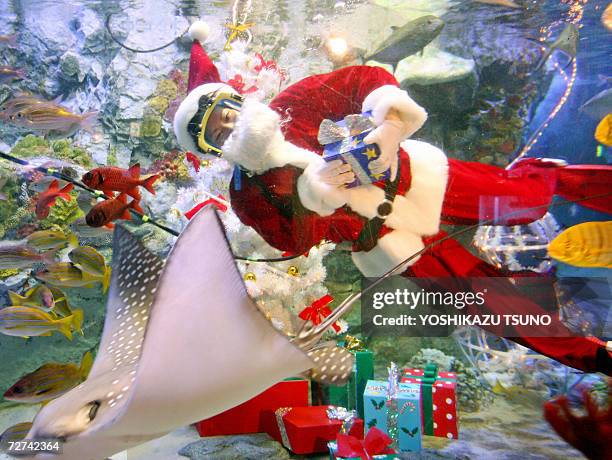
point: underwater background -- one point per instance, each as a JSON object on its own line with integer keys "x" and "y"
{"x": 487, "y": 102}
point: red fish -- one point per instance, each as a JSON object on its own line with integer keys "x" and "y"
{"x": 591, "y": 433}
{"x": 104, "y": 213}
{"x": 111, "y": 179}
{"x": 194, "y": 160}
{"x": 47, "y": 198}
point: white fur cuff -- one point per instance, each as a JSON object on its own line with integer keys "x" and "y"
{"x": 316, "y": 195}
{"x": 391, "y": 250}
{"x": 388, "y": 97}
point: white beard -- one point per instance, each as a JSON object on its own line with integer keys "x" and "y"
{"x": 257, "y": 143}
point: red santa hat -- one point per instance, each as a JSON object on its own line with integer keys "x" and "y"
{"x": 203, "y": 79}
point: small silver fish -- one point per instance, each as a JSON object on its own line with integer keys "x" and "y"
{"x": 8, "y": 74}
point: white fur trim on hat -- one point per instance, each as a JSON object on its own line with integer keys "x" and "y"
{"x": 388, "y": 97}
{"x": 258, "y": 144}
{"x": 199, "y": 31}
{"x": 188, "y": 109}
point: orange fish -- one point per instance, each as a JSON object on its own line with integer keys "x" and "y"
{"x": 111, "y": 179}
{"x": 47, "y": 198}
{"x": 104, "y": 213}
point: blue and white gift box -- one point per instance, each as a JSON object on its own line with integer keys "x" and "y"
{"x": 343, "y": 141}
{"x": 404, "y": 410}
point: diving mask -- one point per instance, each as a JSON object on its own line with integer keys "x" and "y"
{"x": 219, "y": 99}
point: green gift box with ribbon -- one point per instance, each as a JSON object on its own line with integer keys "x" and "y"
{"x": 438, "y": 400}
{"x": 350, "y": 395}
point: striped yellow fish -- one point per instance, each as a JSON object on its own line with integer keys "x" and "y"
{"x": 584, "y": 245}
{"x": 89, "y": 260}
{"x": 23, "y": 321}
{"x": 40, "y": 296}
{"x": 15, "y": 433}
{"x": 49, "y": 381}
{"x": 45, "y": 240}
{"x": 603, "y": 133}
{"x": 67, "y": 274}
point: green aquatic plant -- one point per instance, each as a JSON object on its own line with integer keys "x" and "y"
{"x": 7, "y": 273}
{"x": 167, "y": 89}
{"x": 62, "y": 149}
{"x": 14, "y": 219}
{"x": 151, "y": 126}
{"x": 31, "y": 146}
{"x": 111, "y": 158}
{"x": 62, "y": 214}
{"x": 158, "y": 104}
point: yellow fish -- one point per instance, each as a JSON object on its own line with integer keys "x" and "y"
{"x": 584, "y": 245}
{"x": 66, "y": 274}
{"x": 45, "y": 240}
{"x": 15, "y": 433}
{"x": 48, "y": 116}
{"x": 606, "y": 17}
{"x": 603, "y": 133}
{"x": 47, "y": 298}
{"x": 49, "y": 381}
{"x": 91, "y": 261}
{"x": 23, "y": 321}
{"x": 40, "y": 296}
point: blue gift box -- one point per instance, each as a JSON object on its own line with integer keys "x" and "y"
{"x": 408, "y": 400}
{"x": 352, "y": 150}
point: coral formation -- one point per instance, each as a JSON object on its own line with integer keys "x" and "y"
{"x": 62, "y": 214}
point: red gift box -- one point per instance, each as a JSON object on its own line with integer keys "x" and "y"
{"x": 253, "y": 416}
{"x": 444, "y": 408}
{"x": 307, "y": 430}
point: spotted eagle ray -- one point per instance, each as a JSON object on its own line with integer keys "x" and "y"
{"x": 181, "y": 342}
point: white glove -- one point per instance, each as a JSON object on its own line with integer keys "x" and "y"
{"x": 321, "y": 187}
{"x": 336, "y": 173}
{"x": 388, "y": 137}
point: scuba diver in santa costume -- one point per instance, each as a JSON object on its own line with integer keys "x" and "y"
{"x": 294, "y": 199}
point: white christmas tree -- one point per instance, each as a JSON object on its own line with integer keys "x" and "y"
{"x": 281, "y": 289}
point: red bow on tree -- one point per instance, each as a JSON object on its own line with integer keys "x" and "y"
{"x": 375, "y": 443}
{"x": 239, "y": 85}
{"x": 220, "y": 205}
{"x": 194, "y": 160}
{"x": 318, "y": 311}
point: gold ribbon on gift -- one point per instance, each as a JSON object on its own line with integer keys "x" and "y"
{"x": 280, "y": 413}
{"x": 352, "y": 343}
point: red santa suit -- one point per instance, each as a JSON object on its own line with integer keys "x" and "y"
{"x": 283, "y": 199}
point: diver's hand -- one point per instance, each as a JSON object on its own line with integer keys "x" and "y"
{"x": 336, "y": 173}
{"x": 321, "y": 187}
{"x": 388, "y": 137}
